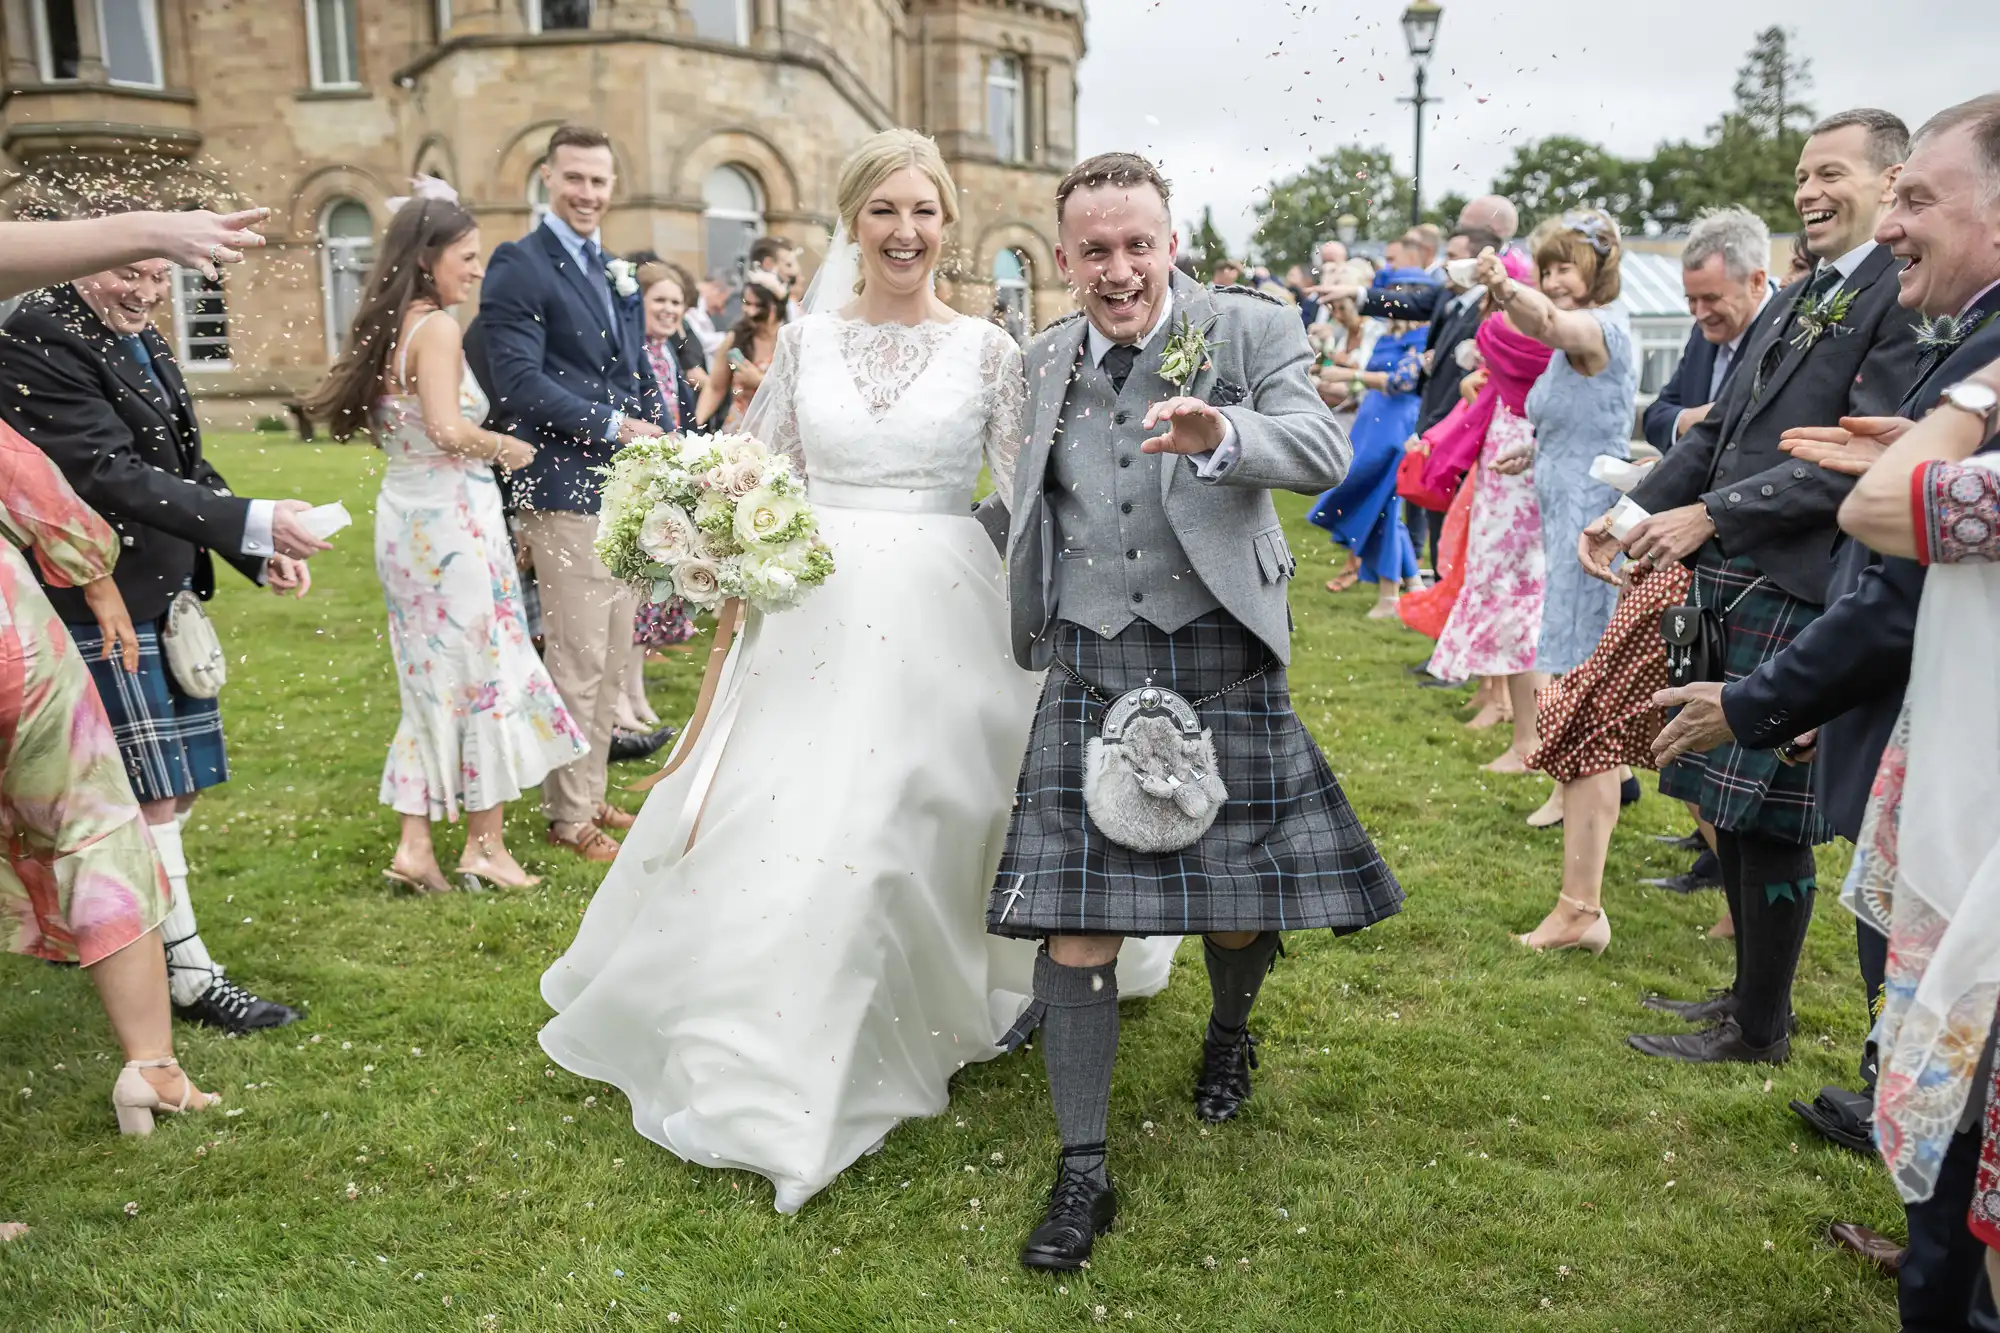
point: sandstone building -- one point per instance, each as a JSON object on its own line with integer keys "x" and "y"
{"x": 728, "y": 118}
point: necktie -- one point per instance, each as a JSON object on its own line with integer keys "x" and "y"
{"x": 1117, "y": 365}
{"x": 145, "y": 360}
{"x": 1823, "y": 282}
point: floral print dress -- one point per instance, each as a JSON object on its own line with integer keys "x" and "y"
{"x": 482, "y": 721}
{"x": 1497, "y": 620}
{"x": 81, "y": 879}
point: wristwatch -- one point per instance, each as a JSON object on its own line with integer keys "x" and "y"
{"x": 1976, "y": 398}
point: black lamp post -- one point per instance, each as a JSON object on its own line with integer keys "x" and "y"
{"x": 1420, "y": 28}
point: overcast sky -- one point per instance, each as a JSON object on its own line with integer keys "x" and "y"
{"x": 1229, "y": 94}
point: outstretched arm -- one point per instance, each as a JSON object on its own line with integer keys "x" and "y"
{"x": 42, "y": 254}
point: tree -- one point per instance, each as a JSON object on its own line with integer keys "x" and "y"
{"x": 1207, "y": 245}
{"x": 1301, "y": 210}
{"x": 1751, "y": 151}
{"x": 1444, "y": 212}
{"x": 1771, "y": 86}
{"x": 1550, "y": 176}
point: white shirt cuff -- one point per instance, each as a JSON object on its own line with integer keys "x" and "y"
{"x": 257, "y": 528}
{"x": 613, "y": 426}
{"x": 1217, "y": 462}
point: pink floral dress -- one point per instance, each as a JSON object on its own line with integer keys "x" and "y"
{"x": 482, "y": 721}
{"x": 1497, "y": 621}
{"x": 80, "y": 880}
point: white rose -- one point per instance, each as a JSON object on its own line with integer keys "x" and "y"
{"x": 768, "y": 584}
{"x": 738, "y": 479}
{"x": 698, "y": 581}
{"x": 762, "y": 514}
{"x": 743, "y": 448}
{"x": 668, "y": 534}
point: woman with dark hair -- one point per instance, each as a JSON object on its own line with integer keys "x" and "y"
{"x": 685, "y": 341}
{"x": 744, "y": 356}
{"x": 481, "y": 719}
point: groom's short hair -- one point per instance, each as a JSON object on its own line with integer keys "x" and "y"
{"x": 1124, "y": 170}
{"x": 576, "y": 136}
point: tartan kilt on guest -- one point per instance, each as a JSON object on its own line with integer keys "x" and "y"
{"x": 1285, "y": 853}
{"x": 1737, "y": 789}
{"x": 171, "y": 744}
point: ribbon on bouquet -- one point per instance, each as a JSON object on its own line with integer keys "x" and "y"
{"x": 721, "y": 694}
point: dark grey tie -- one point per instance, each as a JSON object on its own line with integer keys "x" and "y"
{"x": 1117, "y": 365}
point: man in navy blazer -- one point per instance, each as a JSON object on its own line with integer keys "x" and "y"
{"x": 1844, "y": 675}
{"x": 560, "y": 346}
{"x": 1724, "y": 271}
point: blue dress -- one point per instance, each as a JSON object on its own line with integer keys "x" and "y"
{"x": 1363, "y": 513}
{"x": 1576, "y": 419}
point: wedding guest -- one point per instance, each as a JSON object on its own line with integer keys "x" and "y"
{"x": 1757, "y": 528}
{"x": 664, "y": 302}
{"x": 1496, "y": 621}
{"x": 562, "y": 343}
{"x": 1842, "y": 679}
{"x": 1723, "y": 276}
{"x": 777, "y": 258}
{"x": 481, "y": 720}
{"x": 98, "y": 390}
{"x": 1227, "y": 274}
{"x": 690, "y": 353}
{"x": 1802, "y": 261}
{"x": 1454, "y": 321}
{"x": 1496, "y": 213}
{"x": 705, "y": 319}
{"x": 1363, "y": 513}
{"x": 744, "y": 356}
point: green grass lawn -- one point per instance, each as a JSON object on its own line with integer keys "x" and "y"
{"x": 1448, "y": 1132}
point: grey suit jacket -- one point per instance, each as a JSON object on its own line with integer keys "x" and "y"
{"x": 1257, "y": 373}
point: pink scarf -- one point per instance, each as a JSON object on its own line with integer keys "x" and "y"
{"x": 1514, "y": 362}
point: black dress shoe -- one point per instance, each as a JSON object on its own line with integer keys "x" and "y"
{"x": 1435, "y": 684}
{"x": 627, "y": 745}
{"x": 1692, "y": 842}
{"x": 228, "y": 1006}
{"x": 1080, "y": 1210}
{"x": 1705, "y": 873}
{"x": 1719, "y": 1004}
{"x": 1224, "y": 1082}
{"x": 1630, "y": 792}
{"x": 1721, "y": 1044}
{"x": 1842, "y": 1117}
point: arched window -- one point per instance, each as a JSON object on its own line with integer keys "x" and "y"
{"x": 733, "y": 217}
{"x": 721, "y": 20}
{"x": 538, "y": 198}
{"x": 1006, "y": 108}
{"x": 347, "y": 252}
{"x": 1012, "y": 285}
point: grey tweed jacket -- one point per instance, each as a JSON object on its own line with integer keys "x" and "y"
{"x": 1258, "y": 374}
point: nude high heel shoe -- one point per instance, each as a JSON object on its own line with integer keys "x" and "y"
{"x": 1596, "y": 938}
{"x": 135, "y": 1100}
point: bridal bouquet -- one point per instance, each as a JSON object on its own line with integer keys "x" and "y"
{"x": 709, "y": 517}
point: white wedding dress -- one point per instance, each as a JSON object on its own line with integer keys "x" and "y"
{"x": 814, "y": 966}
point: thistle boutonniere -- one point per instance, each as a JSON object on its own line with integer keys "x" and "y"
{"x": 1943, "y": 335}
{"x": 1819, "y": 316}
{"x": 622, "y": 278}
{"x": 1186, "y": 353}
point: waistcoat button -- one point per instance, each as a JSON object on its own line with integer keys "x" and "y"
{"x": 1121, "y": 418}
{"x": 1125, "y": 508}
{"x": 1138, "y": 596}
{"x": 1769, "y": 490}
{"x": 1131, "y": 555}
{"x": 1124, "y": 462}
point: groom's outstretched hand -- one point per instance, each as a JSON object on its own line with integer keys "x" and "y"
{"x": 1193, "y": 427}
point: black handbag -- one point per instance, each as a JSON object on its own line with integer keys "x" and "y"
{"x": 1697, "y": 640}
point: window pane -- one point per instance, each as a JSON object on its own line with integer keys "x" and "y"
{"x": 1003, "y": 108}
{"x": 1007, "y": 267}
{"x": 728, "y": 244}
{"x": 720, "y": 20}
{"x": 203, "y": 318}
{"x": 334, "y": 24}
{"x": 59, "y": 25}
{"x": 348, "y": 220}
{"x": 559, "y": 14}
{"x": 128, "y": 40}
{"x": 729, "y": 190}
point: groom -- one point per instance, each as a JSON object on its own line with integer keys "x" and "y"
{"x": 1145, "y": 550}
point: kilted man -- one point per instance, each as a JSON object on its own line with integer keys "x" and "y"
{"x": 96, "y": 388}
{"x": 1757, "y": 528}
{"x": 1168, "y": 788}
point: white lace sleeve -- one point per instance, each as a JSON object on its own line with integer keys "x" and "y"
{"x": 1005, "y": 376}
{"x": 773, "y": 413}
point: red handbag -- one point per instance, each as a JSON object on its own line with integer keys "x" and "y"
{"x": 1410, "y": 482}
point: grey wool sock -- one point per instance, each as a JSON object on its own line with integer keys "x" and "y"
{"x": 1079, "y": 1044}
{"x": 1234, "y": 976}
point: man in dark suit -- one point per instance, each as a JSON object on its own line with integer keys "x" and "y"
{"x": 560, "y": 345}
{"x": 1844, "y": 676}
{"x": 1758, "y": 529}
{"x": 95, "y": 387}
{"x": 1724, "y": 274}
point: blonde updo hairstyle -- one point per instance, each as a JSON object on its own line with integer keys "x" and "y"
{"x": 882, "y": 156}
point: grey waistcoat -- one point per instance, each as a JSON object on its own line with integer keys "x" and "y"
{"x": 1117, "y": 558}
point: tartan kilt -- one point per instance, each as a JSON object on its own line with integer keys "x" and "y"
{"x": 1738, "y": 789}
{"x": 171, "y": 744}
{"x": 1285, "y": 853}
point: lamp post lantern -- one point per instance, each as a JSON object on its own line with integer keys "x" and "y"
{"x": 1420, "y": 26}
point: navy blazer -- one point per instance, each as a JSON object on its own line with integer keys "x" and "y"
{"x": 1845, "y": 673}
{"x": 1688, "y": 388}
{"x": 556, "y": 365}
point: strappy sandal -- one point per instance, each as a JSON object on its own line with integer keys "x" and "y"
{"x": 1596, "y": 936}
{"x": 477, "y": 881}
{"x": 591, "y": 842}
{"x": 135, "y": 1100}
{"x": 432, "y": 881}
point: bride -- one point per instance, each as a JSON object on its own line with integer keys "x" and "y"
{"x": 790, "y": 954}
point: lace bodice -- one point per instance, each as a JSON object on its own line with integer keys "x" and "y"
{"x": 913, "y": 407}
